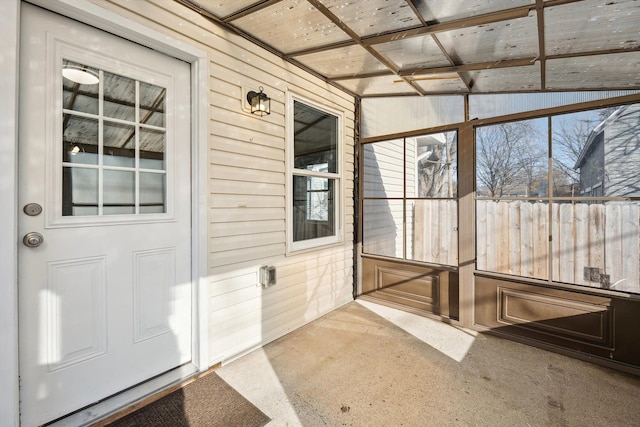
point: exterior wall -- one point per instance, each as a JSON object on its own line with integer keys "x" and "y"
{"x": 622, "y": 150}
{"x": 247, "y": 202}
{"x": 592, "y": 169}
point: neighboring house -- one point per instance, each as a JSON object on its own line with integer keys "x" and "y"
{"x": 607, "y": 163}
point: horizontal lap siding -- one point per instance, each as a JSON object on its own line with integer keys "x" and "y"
{"x": 247, "y": 186}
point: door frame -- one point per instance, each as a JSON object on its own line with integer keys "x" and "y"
{"x": 89, "y": 13}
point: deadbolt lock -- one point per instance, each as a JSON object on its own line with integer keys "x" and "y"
{"x": 32, "y": 209}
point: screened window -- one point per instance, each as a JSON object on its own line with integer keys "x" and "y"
{"x": 315, "y": 176}
{"x": 410, "y": 198}
{"x": 558, "y": 198}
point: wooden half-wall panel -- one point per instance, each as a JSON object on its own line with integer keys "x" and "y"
{"x": 574, "y": 321}
{"x": 411, "y": 285}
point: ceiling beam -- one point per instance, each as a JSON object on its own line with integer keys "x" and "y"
{"x": 542, "y": 55}
{"x": 249, "y": 10}
{"x": 469, "y": 67}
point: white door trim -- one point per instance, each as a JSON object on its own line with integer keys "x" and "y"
{"x": 92, "y": 14}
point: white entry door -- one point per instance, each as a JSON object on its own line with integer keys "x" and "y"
{"x": 104, "y": 179}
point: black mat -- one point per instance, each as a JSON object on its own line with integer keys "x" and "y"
{"x": 209, "y": 401}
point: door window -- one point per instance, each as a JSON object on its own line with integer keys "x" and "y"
{"x": 113, "y": 143}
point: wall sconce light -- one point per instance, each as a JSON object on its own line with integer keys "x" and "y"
{"x": 259, "y": 101}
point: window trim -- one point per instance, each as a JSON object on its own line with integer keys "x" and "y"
{"x": 339, "y": 209}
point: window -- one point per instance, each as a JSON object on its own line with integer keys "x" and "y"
{"x": 557, "y": 198}
{"x": 113, "y": 145}
{"x": 315, "y": 175}
{"x": 410, "y": 208}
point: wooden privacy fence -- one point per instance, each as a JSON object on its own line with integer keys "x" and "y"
{"x": 595, "y": 244}
{"x": 435, "y": 231}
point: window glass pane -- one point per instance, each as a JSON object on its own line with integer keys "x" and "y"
{"x": 119, "y": 144}
{"x": 384, "y": 169}
{"x": 432, "y": 165}
{"x": 79, "y": 191}
{"x": 432, "y": 231}
{"x": 152, "y": 99}
{"x": 152, "y": 149}
{"x": 513, "y": 237}
{"x": 119, "y": 97}
{"x": 79, "y": 139}
{"x": 512, "y": 159}
{"x": 76, "y": 95}
{"x": 313, "y": 207}
{"x": 152, "y": 193}
{"x": 382, "y": 228}
{"x": 597, "y": 244}
{"x": 119, "y": 192}
{"x": 596, "y": 153}
{"x": 315, "y": 138}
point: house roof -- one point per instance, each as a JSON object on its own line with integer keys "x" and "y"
{"x": 421, "y": 47}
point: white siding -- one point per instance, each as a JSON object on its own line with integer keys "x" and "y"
{"x": 247, "y": 209}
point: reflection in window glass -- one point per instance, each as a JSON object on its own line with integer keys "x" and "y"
{"x": 79, "y": 191}
{"x": 79, "y": 139}
{"x": 316, "y": 138}
{"x": 315, "y": 177}
{"x": 152, "y": 193}
{"x": 152, "y": 149}
{"x": 119, "y": 192}
{"x": 78, "y": 96}
{"x": 103, "y": 155}
{"x": 313, "y": 208}
{"x": 119, "y": 142}
{"x": 119, "y": 97}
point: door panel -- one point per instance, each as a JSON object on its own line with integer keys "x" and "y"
{"x": 105, "y": 299}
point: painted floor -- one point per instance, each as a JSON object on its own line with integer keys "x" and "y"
{"x": 370, "y": 365}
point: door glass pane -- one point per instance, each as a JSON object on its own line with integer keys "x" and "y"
{"x": 119, "y": 97}
{"x": 152, "y": 149}
{"x": 79, "y": 139}
{"x": 382, "y": 228}
{"x": 119, "y": 144}
{"x": 79, "y": 191}
{"x": 432, "y": 169}
{"x": 119, "y": 192}
{"x": 79, "y": 87}
{"x": 152, "y": 101}
{"x": 152, "y": 193}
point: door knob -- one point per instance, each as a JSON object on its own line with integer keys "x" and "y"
{"x": 32, "y": 239}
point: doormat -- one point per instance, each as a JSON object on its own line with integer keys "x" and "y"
{"x": 208, "y": 401}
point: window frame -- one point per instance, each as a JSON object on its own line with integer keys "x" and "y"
{"x": 291, "y": 171}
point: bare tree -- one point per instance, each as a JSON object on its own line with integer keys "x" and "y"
{"x": 509, "y": 157}
{"x": 436, "y": 167}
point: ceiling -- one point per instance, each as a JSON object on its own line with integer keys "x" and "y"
{"x": 420, "y": 47}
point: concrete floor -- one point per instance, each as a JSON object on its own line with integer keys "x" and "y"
{"x": 369, "y": 365}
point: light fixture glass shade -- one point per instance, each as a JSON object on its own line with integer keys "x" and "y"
{"x": 260, "y": 103}
{"x": 80, "y": 75}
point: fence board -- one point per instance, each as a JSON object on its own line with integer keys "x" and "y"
{"x": 512, "y": 237}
